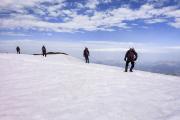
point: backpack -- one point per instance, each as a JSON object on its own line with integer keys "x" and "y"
{"x": 86, "y": 53}
{"x": 130, "y": 55}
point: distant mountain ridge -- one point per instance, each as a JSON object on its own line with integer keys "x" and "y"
{"x": 52, "y": 53}
{"x": 163, "y": 67}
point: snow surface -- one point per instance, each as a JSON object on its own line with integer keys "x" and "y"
{"x": 61, "y": 87}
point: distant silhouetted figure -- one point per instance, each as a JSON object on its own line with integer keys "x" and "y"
{"x": 130, "y": 57}
{"x": 18, "y": 49}
{"x": 43, "y": 51}
{"x": 86, "y": 54}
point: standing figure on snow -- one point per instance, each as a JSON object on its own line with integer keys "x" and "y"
{"x": 86, "y": 54}
{"x": 43, "y": 51}
{"x": 130, "y": 57}
{"x": 18, "y": 50}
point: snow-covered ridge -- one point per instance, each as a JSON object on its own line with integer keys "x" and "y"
{"x": 62, "y": 87}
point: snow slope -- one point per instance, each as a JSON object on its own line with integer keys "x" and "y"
{"x": 61, "y": 87}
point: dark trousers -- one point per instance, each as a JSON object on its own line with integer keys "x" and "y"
{"x": 44, "y": 53}
{"x": 87, "y": 59}
{"x": 18, "y": 52}
{"x": 127, "y": 64}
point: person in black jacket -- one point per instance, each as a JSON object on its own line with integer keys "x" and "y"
{"x": 18, "y": 49}
{"x": 44, "y": 50}
{"x": 130, "y": 57}
{"x": 86, "y": 54}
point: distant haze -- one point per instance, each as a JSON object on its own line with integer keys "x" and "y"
{"x": 151, "y": 57}
{"x": 100, "y": 50}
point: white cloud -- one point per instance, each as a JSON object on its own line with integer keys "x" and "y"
{"x": 55, "y": 10}
{"x": 109, "y": 50}
{"x": 175, "y": 24}
{"x": 173, "y": 13}
{"x": 106, "y": 1}
{"x": 8, "y": 3}
{"x": 79, "y": 5}
{"x": 157, "y": 20}
{"x": 92, "y": 4}
{"x": 173, "y": 47}
{"x": 72, "y": 21}
{"x": 14, "y": 34}
{"x": 22, "y": 3}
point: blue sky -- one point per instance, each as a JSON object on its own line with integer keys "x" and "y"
{"x": 143, "y": 24}
{"x": 114, "y": 20}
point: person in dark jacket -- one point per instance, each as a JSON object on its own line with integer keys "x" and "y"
{"x": 18, "y": 49}
{"x": 44, "y": 50}
{"x": 86, "y": 54}
{"x": 130, "y": 57}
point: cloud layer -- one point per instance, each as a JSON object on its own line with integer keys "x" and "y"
{"x": 89, "y": 15}
{"x": 100, "y": 50}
